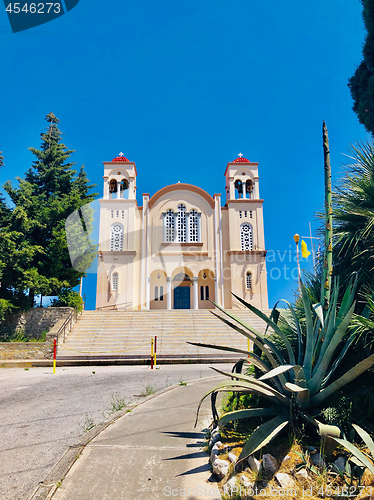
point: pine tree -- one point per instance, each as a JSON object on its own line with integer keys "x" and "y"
{"x": 361, "y": 84}
{"x": 50, "y": 192}
{"x": 4, "y": 212}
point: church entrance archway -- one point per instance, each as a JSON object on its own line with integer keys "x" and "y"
{"x": 182, "y": 298}
{"x": 182, "y": 288}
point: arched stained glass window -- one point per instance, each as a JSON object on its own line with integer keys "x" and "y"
{"x": 193, "y": 230}
{"x": 115, "y": 281}
{"x": 156, "y": 292}
{"x": 249, "y": 281}
{"x": 246, "y": 237}
{"x": 161, "y": 293}
{"x": 181, "y": 224}
{"x": 116, "y": 237}
{"x": 169, "y": 224}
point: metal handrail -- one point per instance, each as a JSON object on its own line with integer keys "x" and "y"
{"x": 112, "y": 305}
{"x": 69, "y": 319}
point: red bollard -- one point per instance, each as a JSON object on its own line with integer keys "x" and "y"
{"x": 155, "y": 349}
{"x": 54, "y": 354}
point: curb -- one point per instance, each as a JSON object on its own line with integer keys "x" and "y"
{"x": 47, "y": 488}
{"x": 30, "y": 363}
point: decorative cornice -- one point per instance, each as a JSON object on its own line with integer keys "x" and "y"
{"x": 181, "y": 187}
{"x": 262, "y": 253}
{"x": 188, "y": 245}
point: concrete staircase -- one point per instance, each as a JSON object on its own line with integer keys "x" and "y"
{"x": 125, "y": 336}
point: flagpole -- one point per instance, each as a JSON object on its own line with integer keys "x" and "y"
{"x": 297, "y": 239}
{"x": 313, "y": 253}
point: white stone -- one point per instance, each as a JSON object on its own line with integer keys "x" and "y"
{"x": 254, "y": 464}
{"x": 215, "y": 450}
{"x": 231, "y": 486}
{"x": 246, "y": 482}
{"x": 216, "y": 447}
{"x": 214, "y": 439}
{"x": 339, "y": 464}
{"x": 285, "y": 480}
{"x": 317, "y": 459}
{"x": 269, "y": 464}
{"x": 220, "y": 467}
{"x": 286, "y": 459}
{"x": 302, "y": 476}
{"x": 232, "y": 457}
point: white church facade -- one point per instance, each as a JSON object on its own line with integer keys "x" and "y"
{"x": 182, "y": 248}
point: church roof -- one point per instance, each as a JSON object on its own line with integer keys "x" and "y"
{"x": 120, "y": 159}
{"x": 241, "y": 160}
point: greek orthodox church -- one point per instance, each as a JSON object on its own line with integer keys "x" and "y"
{"x": 182, "y": 247}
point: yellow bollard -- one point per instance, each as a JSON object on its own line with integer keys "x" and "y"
{"x": 249, "y": 345}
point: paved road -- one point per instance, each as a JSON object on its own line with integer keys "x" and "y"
{"x": 42, "y": 414}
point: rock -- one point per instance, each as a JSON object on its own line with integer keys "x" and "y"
{"x": 246, "y": 482}
{"x": 317, "y": 459}
{"x": 227, "y": 448}
{"x": 232, "y": 457}
{"x": 215, "y": 450}
{"x": 214, "y": 438}
{"x": 339, "y": 464}
{"x": 215, "y": 431}
{"x": 302, "y": 476}
{"x": 220, "y": 467}
{"x": 254, "y": 464}
{"x": 231, "y": 486}
{"x": 269, "y": 464}
{"x": 286, "y": 459}
{"x": 285, "y": 480}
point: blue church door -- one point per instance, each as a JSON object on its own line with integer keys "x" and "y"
{"x": 182, "y": 297}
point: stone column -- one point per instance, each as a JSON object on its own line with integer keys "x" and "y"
{"x": 216, "y": 298}
{"x": 118, "y": 190}
{"x": 195, "y": 292}
{"x": 148, "y": 294}
{"x": 168, "y": 296}
{"x": 244, "y": 189}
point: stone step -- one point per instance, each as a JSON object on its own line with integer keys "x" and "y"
{"x": 126, "y": 335}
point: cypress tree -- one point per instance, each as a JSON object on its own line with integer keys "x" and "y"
{"x": 51, "y": 191}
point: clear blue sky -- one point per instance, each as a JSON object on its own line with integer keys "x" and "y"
{"x": 183, "y": 87}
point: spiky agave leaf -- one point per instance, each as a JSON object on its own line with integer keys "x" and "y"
{"x": 244, "y": 386}
{"x": 365, "y": 437}
{"x": 343, "y": 380}
{"x": 356, "y": 452}
{"x": 256, "y": 385}
{"x": 272, "y": 325}
{"x": 232, "y": 416}
{"x": 261, "y": 436}
{"x": 256, "y": 360}
{"x": 327, "y": 353}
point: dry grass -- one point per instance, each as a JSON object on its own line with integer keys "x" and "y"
{"x": 324, "y": 485}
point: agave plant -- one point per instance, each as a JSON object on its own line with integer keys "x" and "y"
{"x": 298, "y": 383}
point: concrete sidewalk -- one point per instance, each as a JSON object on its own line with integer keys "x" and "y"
{"x": 153, "y": 452}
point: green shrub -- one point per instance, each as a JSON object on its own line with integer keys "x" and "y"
{"x": 69, "y": 298}
{"x": 5, "y": 307}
